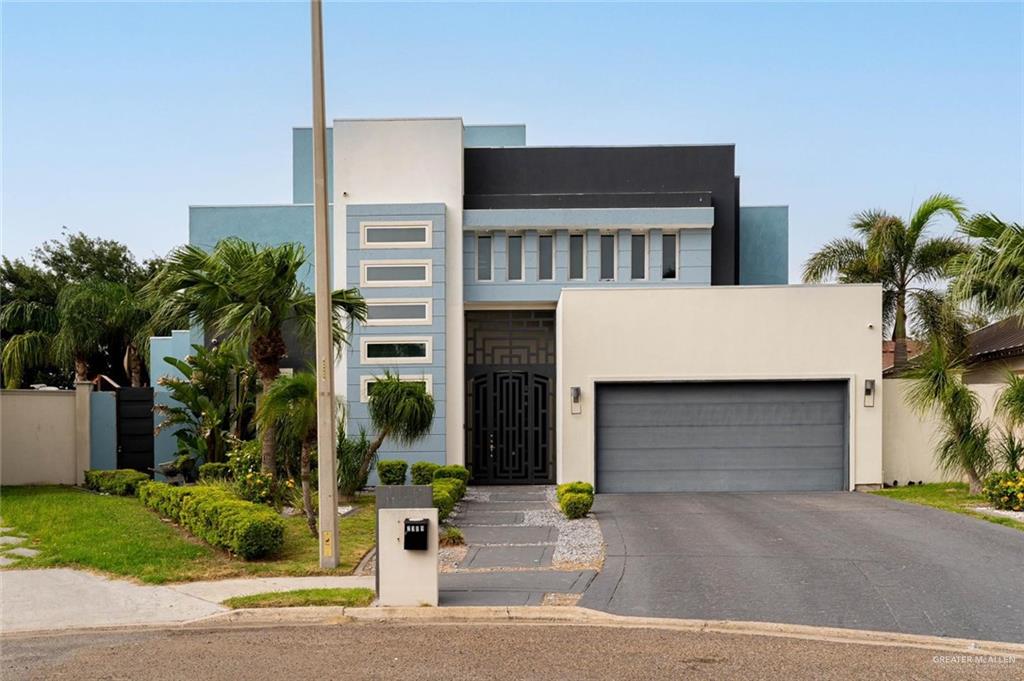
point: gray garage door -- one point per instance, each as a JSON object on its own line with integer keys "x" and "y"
{"x": 721, "y": 437}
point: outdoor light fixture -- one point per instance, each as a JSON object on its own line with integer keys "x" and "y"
{"x": 869, "y": 392}
{"x": 575, "y": 399}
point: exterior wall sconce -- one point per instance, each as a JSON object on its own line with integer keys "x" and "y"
{"x": 869, "y": 392}
{"x": 576, "y": 399}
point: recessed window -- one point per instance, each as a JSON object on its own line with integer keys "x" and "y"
{"x": 395, "y": 272}
{"x": 367, "y": 383}
{"x": 396, "y": 312}
{"x": 396, "y": 350}
{"x": 576, "y": 259}
{"x": 607, "y": 256}
{"x": 395, "y": 234}
{"x": 668, "y": 256}
{"x": 515, "y": 257}
{"x": 546, "y": 257}
{"x": 483, "y": 258}
{"x": 638, "y": 256}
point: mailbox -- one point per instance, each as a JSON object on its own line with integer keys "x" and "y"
{"x": 416, "y": 534}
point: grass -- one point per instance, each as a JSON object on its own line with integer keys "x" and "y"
{"x": 948, "y": 496}
{"x": 355, "y": 598}
{"x": 117, "y": 535}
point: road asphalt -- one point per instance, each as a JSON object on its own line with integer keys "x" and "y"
{"x": 451, "y": 652}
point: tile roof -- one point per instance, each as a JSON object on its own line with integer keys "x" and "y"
{"x": 997, "y": 341}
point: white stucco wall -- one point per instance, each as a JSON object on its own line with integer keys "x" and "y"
{"x": 719, "y": 333}
{"x": 38, "y": 437}
{"x": 995, "y": 371}
{"x": 408, "y": 161}
{"x": 908, "y": 444}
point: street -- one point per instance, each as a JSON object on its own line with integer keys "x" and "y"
{"x": 477, "y": 651}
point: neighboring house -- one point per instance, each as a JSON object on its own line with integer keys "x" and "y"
{"x": 889, "y": 353}
{"x": 610, "y": 314}
{"x": 995, "y": 350}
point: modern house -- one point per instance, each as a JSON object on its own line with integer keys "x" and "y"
{"x": 611, "y": 314}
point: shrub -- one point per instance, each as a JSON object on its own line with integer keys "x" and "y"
{"x": 213, "y": 514}
{"x": 1005, "y": 490}
{"x": 392, "y": 472}
{"x": 574, "y": 487}
{"x": 245, "y": 457}
{"x": 455, "y": 487}
{"x": 458, "y": 472}
{"x": 576, "y": 504}
{"x": 352, "y": 453}
{"x": 215, "y": 471}
{"x": 423, "y": 472}
{"x": 443, "y": 501}
{"x": 122, "y": 482}
{"x": 451, "y": 536}
{"x": 260, "y": 488}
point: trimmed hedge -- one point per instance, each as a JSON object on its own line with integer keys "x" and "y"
{"x": 216, "y": 516}
{"x": 392, "y": 472}
{"x": 458, "y": 472}
{"x": 574, "y": 487}
{"x": 443, "y": 502}
{"x": 454, "y": 486}
{"x": 576, "y": 504}
{"x": 1005, "y": 490}
{"x": 122, "y": 482}
{"x": 215, "y": 471}
{"x": 423, "y": 472}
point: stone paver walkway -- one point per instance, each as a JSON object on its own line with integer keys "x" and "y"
{"x": 11, "y": 549}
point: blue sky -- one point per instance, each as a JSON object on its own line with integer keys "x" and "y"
{"x": 116, "y": 117}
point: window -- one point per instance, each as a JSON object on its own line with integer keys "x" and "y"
{"x": 394, "y": 234}
{"x": 546, "y": 256}
{"x": 396, "y": 312}
{"x": 366, "y": 384}
{"x": 390, "y": 350}
{"x": 607, "y": 256}
{"x": 395, "y": 273}
{"x": 638, "y": 256}
{"x": 576, "y": 259}
{"x": 668, "y": 256}
{"x": 483, "y": 258}
{"x": 515, "y": 257}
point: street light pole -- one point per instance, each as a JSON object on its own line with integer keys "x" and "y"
{"x": 326, "y": 421}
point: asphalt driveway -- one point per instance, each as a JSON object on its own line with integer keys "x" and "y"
{"x": 829, "y": 559}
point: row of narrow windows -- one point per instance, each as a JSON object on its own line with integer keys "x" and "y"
{"x": 607, "y": 255}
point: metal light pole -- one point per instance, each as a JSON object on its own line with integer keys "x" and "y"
{"x": 325, "y": 416}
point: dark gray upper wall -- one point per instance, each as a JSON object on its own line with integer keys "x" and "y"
{"x": 614, "y": 177}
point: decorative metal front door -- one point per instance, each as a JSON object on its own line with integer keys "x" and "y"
{"x": 510, "y": 376}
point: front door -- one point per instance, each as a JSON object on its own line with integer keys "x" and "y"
{"x": 510, "y": 398}
{"x": 135, "y": 429}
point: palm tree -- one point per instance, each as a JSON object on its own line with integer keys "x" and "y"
{"x": 401, "y": 410}
{"x": 992, "y": 274}
{"x": 938, "y": 385}
{"x": 248, "y": 293}
{"x": 290, "y": 406}
{"x": 31, "y": 345}
{"x": 896, "y": 254}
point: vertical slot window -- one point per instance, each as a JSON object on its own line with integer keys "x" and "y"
{"x": 576, "y": 256}
{"x": 638, "y": 256}
{"x": 515, "y": 258}
{"x": 483, "y": 258}
{"x": 607, "y": 256}
{"x": 546, "y": 257}
{"x": 669, "y": 253}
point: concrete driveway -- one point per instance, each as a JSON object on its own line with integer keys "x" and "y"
{"x": 831, "y": 559}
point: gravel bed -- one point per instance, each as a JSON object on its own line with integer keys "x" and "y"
{"x": 580, "y": 542}
{"x": 1016, "y": 515}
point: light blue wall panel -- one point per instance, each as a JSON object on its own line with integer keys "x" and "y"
{"x": 764, "y": 245}
{"x": 103, "y": 431}
{"x": 494, "y": 136}
{"x": 302, "y": 164}
{"x": 178, "y": 345}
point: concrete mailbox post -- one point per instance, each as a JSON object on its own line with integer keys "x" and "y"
{"x": 407, "y": 568}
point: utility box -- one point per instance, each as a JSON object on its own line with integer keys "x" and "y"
{"x": 407, "y": 566}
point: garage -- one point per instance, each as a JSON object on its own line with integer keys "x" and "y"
{"x": 722, "y": 436}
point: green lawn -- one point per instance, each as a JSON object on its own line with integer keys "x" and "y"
{"x": 286, "y": 599}
{"x": 949, "y": 496}
{"x": 117, "y": 535}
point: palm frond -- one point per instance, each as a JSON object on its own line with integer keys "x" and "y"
{"x": 1011, "y": 400}
{"x": 834, "y": 259}
{"x": 931, "y": 208}
{"x": 404, "y": 410}
{"x": 931, "y": 259}
{"x": 23, "y": 352}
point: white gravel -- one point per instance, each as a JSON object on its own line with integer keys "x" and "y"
{"x": 1016, "y": 515}
{"x": 580, "y": 542}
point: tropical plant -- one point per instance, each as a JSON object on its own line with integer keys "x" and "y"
{"x": 352, "y": 452}
{"x": 213, "y": 401}
{"x": 248, "y": 293}
{"x": 896, "y": 253}
{"x": 1011, "y": 400}
{"x": 991, "y": 275}
{"x": 964, "y": 438}
{"x": 290, "y": 407}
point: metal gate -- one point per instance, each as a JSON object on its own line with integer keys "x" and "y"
{"x": 135, "y": 429}
{"x": 510, "y": 379}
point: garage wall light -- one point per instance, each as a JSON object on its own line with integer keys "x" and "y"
{"x": 869, "y": 392}
{"x": 576, "y": 399}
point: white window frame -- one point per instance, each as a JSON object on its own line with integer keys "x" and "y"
{"x": 476, "y": 262}
{"x": 366, "y": 341}
{"x": 508, "y": 256}
{"x": 365, "y": 381}
{"x": 569, "y": 260}
{"x": 615, "y": 255}
{"x": 384, "y": 302}
{"x": 428, "y": 228}
{"x": 674, "y": 233}
{"x": 365, "y": 264}
{"x": 647, "y": 256}
{"x": 554, "y": 249}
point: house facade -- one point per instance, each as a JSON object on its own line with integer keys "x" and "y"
{"x": 610, "y": 314}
